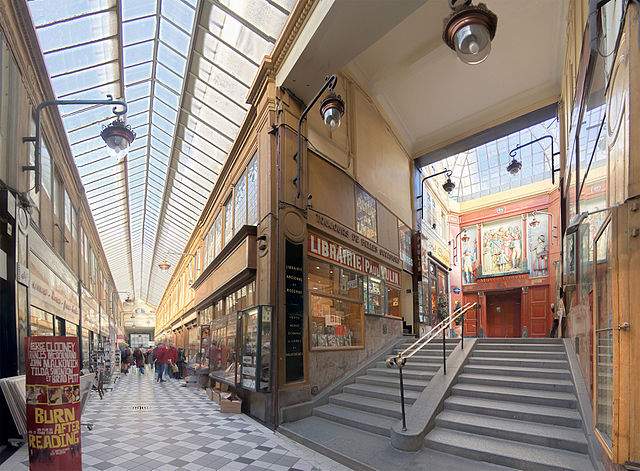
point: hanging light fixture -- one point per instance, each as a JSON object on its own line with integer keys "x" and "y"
{"x": 332, "y": 110}
{"x": 448, "y": 186}
{"x": 118, "y": 135}
{"x": 164, "y": 265}
{"x": 469, "y": 30}
{"x": 514, "y": 166}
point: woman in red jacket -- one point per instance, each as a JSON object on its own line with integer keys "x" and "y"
{"x": 172, "y": 358}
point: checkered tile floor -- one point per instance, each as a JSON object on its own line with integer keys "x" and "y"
{"x": 180, "y": 429}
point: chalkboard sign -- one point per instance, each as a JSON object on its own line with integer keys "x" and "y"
{"x": 294, "y": 317}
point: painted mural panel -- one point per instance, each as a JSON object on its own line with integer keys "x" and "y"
{"x": 469, "y": 254}
{"x": 538, "y": 244}
{"x": 502, "y": 247}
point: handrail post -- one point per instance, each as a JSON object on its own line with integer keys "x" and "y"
{"x": 404, "y": 418}
{"x": 462, "y": 334}
{"x": 444, "y": 350}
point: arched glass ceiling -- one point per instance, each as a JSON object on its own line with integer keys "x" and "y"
{"x": 184, "y": 67}
{"x": 482, "y": 171}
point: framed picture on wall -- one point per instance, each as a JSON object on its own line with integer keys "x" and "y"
{"x": 502, "y": 247}
{"x": 469, "y": 259}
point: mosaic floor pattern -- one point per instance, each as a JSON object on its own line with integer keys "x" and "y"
{"x": 144, "y": 426}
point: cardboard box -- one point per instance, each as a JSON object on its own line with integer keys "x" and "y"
{"x": 228, "y": 406}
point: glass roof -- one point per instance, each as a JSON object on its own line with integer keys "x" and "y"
{"x": 184, "y": 68}
{"x": 482, "y": 171}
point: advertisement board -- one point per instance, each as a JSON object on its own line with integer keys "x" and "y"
{"x": 53, "y": 403}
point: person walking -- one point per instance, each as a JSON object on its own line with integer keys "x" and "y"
{"x": 172, "y": 360}
{"x": 125, "y": 359}
{"x": 161, "y": 354}
{"x": 138, "y": 356}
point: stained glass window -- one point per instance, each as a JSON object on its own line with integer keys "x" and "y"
{"x": 366, "y": 214}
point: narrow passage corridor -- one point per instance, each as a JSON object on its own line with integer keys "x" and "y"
{"x": 145, "y": 426}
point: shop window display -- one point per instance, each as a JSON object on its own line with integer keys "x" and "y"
{"x": 336, "y": 306}
{"x": 41, "y": 322}
{"x": 255, "y": 345}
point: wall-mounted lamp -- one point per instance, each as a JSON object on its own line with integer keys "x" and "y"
{"x": 469, "y": 30}
{"x": 515, "y": 165}
{"x": 447, "y": 186}
{"x": 117, "y": 135}
{"x": 332, "y": 109}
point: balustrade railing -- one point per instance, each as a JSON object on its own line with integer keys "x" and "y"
{"x": 400, "y": 359}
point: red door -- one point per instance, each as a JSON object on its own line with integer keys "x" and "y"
{"x": 503, "y": 314}
{"x": 472, "y": 316}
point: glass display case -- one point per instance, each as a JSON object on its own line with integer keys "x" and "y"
{"x": 255, "y": 348}
{"x": 374, "y": 296}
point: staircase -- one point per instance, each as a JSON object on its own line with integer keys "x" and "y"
{"x": 372, "y": 403}
{"x": 514, "y": 405}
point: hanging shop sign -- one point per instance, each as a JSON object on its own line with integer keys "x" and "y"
{"x": 348, "y": 236}
{"x": 349, "y": 258}
{"x": 50, "y": 293}
{"x": 90, "y": 318}
{"x": 435, "y": 249}
{"x": 53, "y": 403}
{"x": 294, "y": 315}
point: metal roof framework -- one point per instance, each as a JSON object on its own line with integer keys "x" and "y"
{"x": 184, "y": 67}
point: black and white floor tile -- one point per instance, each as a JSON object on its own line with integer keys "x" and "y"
{"x": 142, "y": 425}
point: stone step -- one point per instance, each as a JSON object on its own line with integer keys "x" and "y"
{"x": 527, "y": 396}
{"x": 415, "y": 365}
{"x": 550, "y": 347}
{"x": 553, "y": 436}
{"x": 407, "y": 373}
{"x": 515, "y": 410}
{"x": 380, "y": 392}
{"x": 527, "y": 340}
{"x": 368, "y": 404}
{"x": 519, "y": 362}
{"x": 528, "y": 372}
{"x": 392, "y": 382}
{"x": 506, "y": 452}
{"x": 520, "y": 354}
{"x": 366, "y": 421}
{"x": 545, "y": 384}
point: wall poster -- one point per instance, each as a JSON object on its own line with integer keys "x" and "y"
{"x": 470, "y": 262}
{"x": 502, "y": 247}
{"x": 53, "y": 403}
{"x": 294, "y": 312}
{"x": 538, "y": 244}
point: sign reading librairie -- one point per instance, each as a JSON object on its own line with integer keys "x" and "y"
{"x": 53, "y": 403}
{"x": 346, "y": 257}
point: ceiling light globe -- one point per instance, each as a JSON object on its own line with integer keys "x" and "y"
{"x": 472, "y": 43}
{"x": 514, "y": 167}
{"x": 332, "y": 110}
{"x": 118, "y": 136}
{"x": 448, "y": 186}
{"x": 332, "y": 118}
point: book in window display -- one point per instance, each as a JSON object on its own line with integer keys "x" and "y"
{"x": 255, "y": 348}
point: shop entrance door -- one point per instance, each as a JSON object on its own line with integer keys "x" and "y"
{"x": 503, "y": 314}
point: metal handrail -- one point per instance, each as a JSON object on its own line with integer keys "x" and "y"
{"x": 400, "y": 358}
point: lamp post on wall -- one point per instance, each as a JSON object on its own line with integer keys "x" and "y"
{"x": 117, "y": 135}
{"x": 447, "y": 186}
{"x": 331, "y": 109}
{"x": 515, "y": 165}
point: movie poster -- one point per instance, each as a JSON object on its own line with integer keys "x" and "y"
{"x": 502, "y": 247}
{"x": 53, "y": 403}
